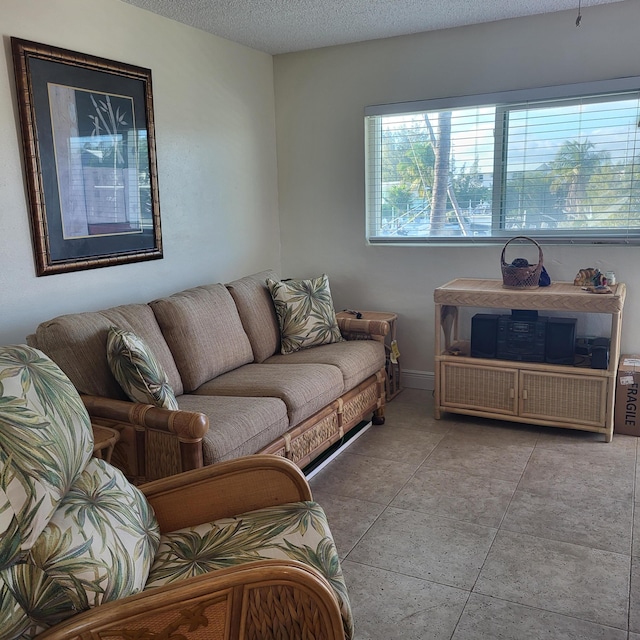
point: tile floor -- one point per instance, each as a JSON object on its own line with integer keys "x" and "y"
{"x": 470, "y": 529}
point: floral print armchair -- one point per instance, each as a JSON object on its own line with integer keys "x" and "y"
{"x": 233, "y": 550}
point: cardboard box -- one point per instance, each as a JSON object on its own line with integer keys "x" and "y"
{"x": 627, "y": 416}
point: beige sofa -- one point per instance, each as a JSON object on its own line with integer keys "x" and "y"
{"x": 220, "y": 348}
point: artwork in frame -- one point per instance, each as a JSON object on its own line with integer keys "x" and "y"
{"x": 89, "y": 153}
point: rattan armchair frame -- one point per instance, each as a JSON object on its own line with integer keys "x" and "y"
{"x": 257, "y": 600}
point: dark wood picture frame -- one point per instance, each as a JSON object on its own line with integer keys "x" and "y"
{"x": 90, "y": 159}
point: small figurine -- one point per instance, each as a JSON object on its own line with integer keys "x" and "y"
{"x": 590, "y": 277}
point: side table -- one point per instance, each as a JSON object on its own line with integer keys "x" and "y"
{"x": 358, "y": 321}
{"x": 104, "y": 439}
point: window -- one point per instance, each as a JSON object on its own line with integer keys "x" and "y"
{"x": 560, "y": 164}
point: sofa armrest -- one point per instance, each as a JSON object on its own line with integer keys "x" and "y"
{"x": 225, "y": 489}
{"x": 189, "y": 426}
{"x": 267, "y": 598}
{"x": 361, "y": 328}
{"x": 154, "y": 442}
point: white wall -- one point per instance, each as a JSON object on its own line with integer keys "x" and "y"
{"x": 215, "y": 129}
{"x": 218, "y": 176}
{"x": 320, "y": 98}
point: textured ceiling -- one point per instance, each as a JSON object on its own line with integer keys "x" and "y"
{"x": 283, "y": 26}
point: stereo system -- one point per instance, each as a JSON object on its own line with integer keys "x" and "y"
{"x": 596, "y": 350}
{"x": 523, "y": 336}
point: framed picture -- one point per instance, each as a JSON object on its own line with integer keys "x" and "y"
{"x": 90, "y": 160}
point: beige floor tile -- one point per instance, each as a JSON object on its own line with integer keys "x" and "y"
{"x": 618, "y": 452}
{"x": 349, "y": 518}
{"x": 564, "y": 578}
{"x": 554, "y": 564}
{"x": 487, "y": 618}
{"x": 588, "y": 520}
{"x": 413, "y": 415}
{"x": 363, "y": 477}
{"x": 492, "y": 432}
{"x": 576, "y": 438}
{"x": 391, "y": 442}
{"x": 505, "y": 462}
{"x": 581, "y": 474}
{"x": 456, "y": 494}
{"x": 634, "y": 599}
{"x": 422, "y": 397}
{"x": 424, "y": 546}
{"x": 390, "y": 605}
{"x": 635, "y": 544}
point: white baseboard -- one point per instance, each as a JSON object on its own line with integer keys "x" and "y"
{"x": 417, "y": 379}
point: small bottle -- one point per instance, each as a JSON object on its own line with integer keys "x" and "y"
{"x": 611, "y": 277}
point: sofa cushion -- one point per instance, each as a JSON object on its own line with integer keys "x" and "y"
{"x": 356, "y": 359}
{"x": 137, "y": 370}
{"x": 238, "y": 426}
{"x": 204, "y": 332}
{"x": 258, "y": 315}
{"x": 295, "y": 531}
{"x": 98, "y": 546}
{"x": 77, "y": 343}
{"x": 305, "y": 313}
{"x": 304, "y": 388}
{"x": 45, "y": 442}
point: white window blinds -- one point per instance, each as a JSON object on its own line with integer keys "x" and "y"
{"x": 560, "y": 164}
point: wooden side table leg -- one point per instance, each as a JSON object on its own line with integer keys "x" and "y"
{"x": 109, "y": 452}
{"x": 104, "y": 440}
{"x": 437, "y": 350}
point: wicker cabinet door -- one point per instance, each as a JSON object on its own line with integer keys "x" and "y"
{"x": 566, "y": 398}
{"x": 490, "y": 389}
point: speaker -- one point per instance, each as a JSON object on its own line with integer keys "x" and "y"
{"x": 560, "y": 341}
{"x": 600, "y": 353}
{"x": 484, "y": 335}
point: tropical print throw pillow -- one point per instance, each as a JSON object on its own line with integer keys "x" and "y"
{"x": 74, "y": 532}
{"x": 98, "y": 547}
{"x": 45, "y": 442}
{"x": 137, "y": 371}
{"x": 305, "y": 313}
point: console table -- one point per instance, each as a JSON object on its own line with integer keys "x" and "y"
{"x": 535, "y": 393}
